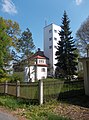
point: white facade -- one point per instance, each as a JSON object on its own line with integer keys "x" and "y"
{"x": 51, "y": 38}
{"x": 41, "y": 72}
{"x": 37, "y": 71}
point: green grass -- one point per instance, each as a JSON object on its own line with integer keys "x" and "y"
{"x": 32, "y": 112}
{"x": 10, "y": 102}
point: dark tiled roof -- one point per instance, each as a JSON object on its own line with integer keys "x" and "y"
{"x": 39, "y": 53}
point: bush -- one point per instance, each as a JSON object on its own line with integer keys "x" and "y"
{"x": 17, "y": 76}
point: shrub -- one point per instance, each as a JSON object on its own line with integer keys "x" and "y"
{"x": 17, "y": 76}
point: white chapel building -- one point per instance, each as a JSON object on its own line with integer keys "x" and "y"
{"x": 45, "y": 61}
{"x": 51, "y": 38}
{"x": 38, "y": 70}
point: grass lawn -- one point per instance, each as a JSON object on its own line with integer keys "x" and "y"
{"x": 31, "y": 112}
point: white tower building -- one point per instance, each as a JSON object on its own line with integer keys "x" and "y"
{"x": 51, "y": 38}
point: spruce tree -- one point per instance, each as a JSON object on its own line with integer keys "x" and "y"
{"x": 65, "y": 54}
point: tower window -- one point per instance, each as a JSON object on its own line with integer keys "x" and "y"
{"x": 41, "y": 61}
{"x": 55, "y": 46}
{"x": 50, "y": 31}
{"x": 50, "y": 39}
{"x": 55, "y": 31}
{"x": 55, "y": 38}
{"x": 50, "y": 47}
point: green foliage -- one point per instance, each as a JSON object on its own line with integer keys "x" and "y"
{"x": 55, "y": 117}
{"x": 10, "y": 45}
{"x": 5, "y": 41}
{"x": 65, "y": 50}
{"x": 32, "y": 112}
{"x": 26, "y": 44}
{"x": 4, "y": 76}
{"x": 8, "y": 102}
{"x": 17, "y": 76}
{"x": 8, "y": 38}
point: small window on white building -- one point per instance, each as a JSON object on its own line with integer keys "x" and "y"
{"x": 50, "y": 47}
{"x": 55, "y": 31}
{"x": 55, "y": 46}
{"x": 43, "y": 69}
{"x": 41, "y": 61}
{"x": 50, "y": 39}
{"x": 55, "y": 38}
{"x": 50, "y": 31}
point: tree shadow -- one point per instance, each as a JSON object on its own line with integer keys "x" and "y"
{"x": 75, "y": 98}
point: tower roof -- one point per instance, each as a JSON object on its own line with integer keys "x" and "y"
{"x": 39, "y": 57}
{"x": 39, "y": 54}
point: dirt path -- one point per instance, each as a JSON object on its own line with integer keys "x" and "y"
{"x": 6, "y": 116}
{"x": 74, "y": 112}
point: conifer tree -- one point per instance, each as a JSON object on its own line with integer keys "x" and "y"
{"x": 26, "y": 44}
{"x": 65, "y": 55}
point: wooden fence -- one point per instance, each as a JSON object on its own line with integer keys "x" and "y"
{"x": 41, "y": 90}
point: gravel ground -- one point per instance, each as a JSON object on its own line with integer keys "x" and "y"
{"x": 73, "y": 112}
{"x": 7, "y": 114}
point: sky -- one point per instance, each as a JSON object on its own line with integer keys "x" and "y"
{"x": 32, "y": 14}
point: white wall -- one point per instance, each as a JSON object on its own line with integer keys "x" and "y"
{"x": 41, "y": 61}
{"x": 32, "y": 73}
{"x": 41, "y": 74}
{"x": 55, "y": 35}
{"x": 35, "y": 73}
{"x": 51, "y": 31}
{"x": 26, "y": 77}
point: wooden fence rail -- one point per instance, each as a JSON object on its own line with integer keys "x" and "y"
{"x": 40, "y": 90}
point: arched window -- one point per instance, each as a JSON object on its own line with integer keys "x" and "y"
{"x": 43, "y": 69}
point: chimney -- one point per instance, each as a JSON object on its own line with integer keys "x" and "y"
{"x": 38, "y": 49}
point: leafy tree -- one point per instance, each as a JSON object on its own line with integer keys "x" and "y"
{"x": 8, "y": 35}
{"x": 5, "y": 41}
{"x": 66, "y": 58}
{"x": 13, "y": 31}
{"x": 26, "y": 45}
{"x": 82, "y": 37}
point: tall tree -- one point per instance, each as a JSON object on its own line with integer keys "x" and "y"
{"x": 7, "y": 38}
{"x": 5, "y": 41}
{"x": 65, "y": 50}
{"x": 82, "y": 37}
{"x": 13, "y": 31}
{"x": 26, "y": 45}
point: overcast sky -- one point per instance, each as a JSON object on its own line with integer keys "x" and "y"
{"x": 34, "y": 13}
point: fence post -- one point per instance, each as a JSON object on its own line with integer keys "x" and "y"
{"x": 40, "y": 92}
{"x": 18, "y": 89}
{"x": 6, "y": 87}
